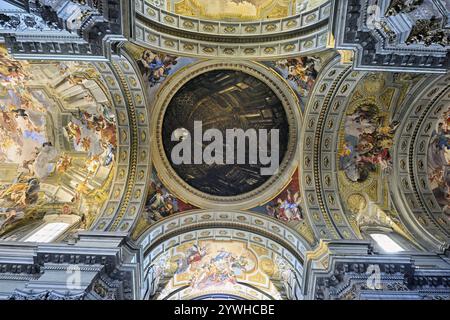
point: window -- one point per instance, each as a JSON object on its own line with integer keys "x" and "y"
{"x": 48, "y": 232}
{"x": 386, "y": 243}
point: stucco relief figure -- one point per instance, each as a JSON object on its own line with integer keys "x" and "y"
{"x": 368, "y": 139}
{"x": 439, "y": 162}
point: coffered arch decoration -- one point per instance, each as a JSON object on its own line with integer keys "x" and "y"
{"x": 275, "y": 183}
{"x": 128, "y": 193}
{"x": 421, "y": 163}
{"x": 156, "y": 28}
{"x": 319, "y": 146}
{"x": 346, "y": 189}
{"x": 172, "y": 248}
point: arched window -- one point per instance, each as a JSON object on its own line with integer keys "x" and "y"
{"x": 48, "y": 232}
{"x": 386, "y": 243}
{"x": 54, "y": 227}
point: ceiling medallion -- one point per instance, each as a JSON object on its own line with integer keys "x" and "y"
{"x": 213, "y": 96}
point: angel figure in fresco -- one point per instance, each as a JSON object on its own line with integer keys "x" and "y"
{"x": 109, "y": 157}
{"x": 368, "y": 141}
{"x": 301, "y": 71}
{"x": 143, "y": 62}
{"x": 105, "y": 110}
{"x": 7, "y": 121}
{"x": 106, "y": 129}
{"x": 195, "y": 253}
{"x": 290, "y": 207}
{"x": 74, "y": 132}
{"x": 9, "y": 216}
{"x": 21, "y": 194}
{"x": 287, "y": 209}
{"x": 63, "y": 163}
{"x": 160, "y": 205}
{"x": 160, "y": 68}
{"x": 193, "y": 256}
{"x": 238, "y": 265}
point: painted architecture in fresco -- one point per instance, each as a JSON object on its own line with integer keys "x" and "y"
{"x": 348, "y": 100}
{"x": 58, "y": 141}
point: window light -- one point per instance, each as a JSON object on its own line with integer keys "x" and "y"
{"x": 48, "y": 233}
{"x": 386, "y": 243}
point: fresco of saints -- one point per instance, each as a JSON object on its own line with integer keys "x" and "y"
{"x": 368, "y": 140}
{"x": 439, "y": 162}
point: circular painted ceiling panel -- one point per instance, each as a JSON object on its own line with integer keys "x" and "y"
{"x": 224, "y": 100}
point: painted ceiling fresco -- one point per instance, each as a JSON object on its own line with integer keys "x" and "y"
{"x": 232, "y": 267}
{"x": 161, "y": 203}
{"x": 366, "y": 141}
{"x": 156, "y": 67}
{"x": 239, "y": 10}
{"x": 57, "y": 141}
{"x": 301, "y": 73}
{"x": 439, "y": 162}
{"x": 233, "y": 10}
{"x": 222, "y": 100}
{"x": 364, "y": 158}
{"x": 287, "y": 207}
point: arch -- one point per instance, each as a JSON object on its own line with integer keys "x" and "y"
{"x": 223, "y": 225}
{"x": 134, "y": 162}
{"x": 412, "y": 191}
{"x": 159, "y": 29}
{"x": 319, "y": 147}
